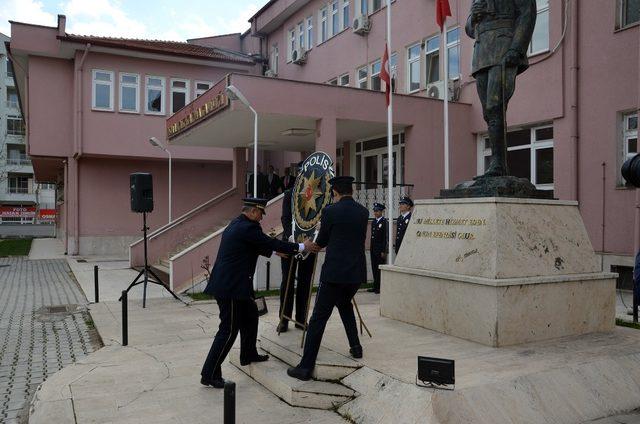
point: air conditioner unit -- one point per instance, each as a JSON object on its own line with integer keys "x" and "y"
{"x": 299, "y": 56}
{"x": 361, "y": 25}
{"x": 270, "y": 73}
{"x": 436, "y": 90}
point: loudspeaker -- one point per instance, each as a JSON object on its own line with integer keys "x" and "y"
{"x": 141, "y": 192}
{"x": 437, "y": 371}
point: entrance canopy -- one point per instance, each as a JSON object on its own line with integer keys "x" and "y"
{"x": 290, "y": 114}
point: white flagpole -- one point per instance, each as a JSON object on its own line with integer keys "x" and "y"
{"x": 446, "y": 103}
{"x": 390, "y": 161}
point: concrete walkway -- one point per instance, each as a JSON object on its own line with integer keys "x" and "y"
{"x": 47, "y": 248}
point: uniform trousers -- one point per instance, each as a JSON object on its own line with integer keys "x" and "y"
{"x": 330, "y": 295}
{"x": 304, "y": 272}
{"x": 376, "y": 261}
{"x": 235, "y": 315}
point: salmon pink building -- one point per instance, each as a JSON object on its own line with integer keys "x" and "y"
{"x": 311, "y": 70}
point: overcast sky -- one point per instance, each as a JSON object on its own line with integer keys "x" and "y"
{"x": 157, "y": 19}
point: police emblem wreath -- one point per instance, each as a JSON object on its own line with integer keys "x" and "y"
{"x": 311, "y": 193}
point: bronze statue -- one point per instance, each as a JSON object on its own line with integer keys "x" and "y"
{"x": 502, "y": 30}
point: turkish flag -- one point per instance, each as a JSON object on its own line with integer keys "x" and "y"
{"x": 385, "y": 73}
{"x": 442, "y": 11}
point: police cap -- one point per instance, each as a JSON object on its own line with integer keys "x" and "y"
{"x": 378, "y": 207}
{"x": 256, "y": 202}
{"x": 407, "y": 201}
{"x": 341, "y": 180}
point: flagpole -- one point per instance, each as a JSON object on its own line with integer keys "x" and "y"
{"x": 446, "y": 103}
{"x": 390, "y": 160}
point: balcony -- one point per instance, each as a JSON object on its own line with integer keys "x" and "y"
{"x": 19, "y": 161}
{"x": 19, "y": 194}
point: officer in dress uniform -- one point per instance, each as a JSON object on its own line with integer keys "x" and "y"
{"x": 378, "y": 246}
{"x": 231, "y": 283}
{"x": 406, "y": 204}
{"x": 304, "y": 270}
{"x": 343, "y": 231}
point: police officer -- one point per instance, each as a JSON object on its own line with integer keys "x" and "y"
{"x": 406, "y": 204}
{"x": 343, "y": 231}
{"x": 502, "y": 30}
{"x": 232, "y": 286}
{"x": 304, "y": 270}
{"x": 378, "y": 246}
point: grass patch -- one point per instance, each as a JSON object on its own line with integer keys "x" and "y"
{"x": 90, "y": 324}
{"x": 261, "y": 293}
{"x": 623, "y": 323}
{"x": 15, "y": 247}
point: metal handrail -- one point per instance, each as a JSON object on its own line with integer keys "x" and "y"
{"x": 12, "y": 161}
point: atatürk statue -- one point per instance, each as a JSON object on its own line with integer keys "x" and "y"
{"x": 502, "y": 30}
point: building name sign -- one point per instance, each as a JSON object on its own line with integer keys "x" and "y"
{"x": 209, "y": 103}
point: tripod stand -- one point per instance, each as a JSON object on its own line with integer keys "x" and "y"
{"x": 147, "y": 270}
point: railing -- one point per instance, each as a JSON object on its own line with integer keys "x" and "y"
{"x": 21, "y": 161}
{"x": 19, "y": 190}
{"x": 368, "y": 193}
{"x": 12, "y": 131}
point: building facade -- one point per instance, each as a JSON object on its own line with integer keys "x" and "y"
{"x": 22, "y": 199}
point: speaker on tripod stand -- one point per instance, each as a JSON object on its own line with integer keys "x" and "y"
{"x": 141, "y": 185}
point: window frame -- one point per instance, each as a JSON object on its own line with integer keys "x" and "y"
{"x": 546, "y": 9}
{"x": 94, "y": 84}
{"x": 122, "y": 85}
{"x": 411, "y": 61}
{"x": 302, "y": 36}
{"x": 372, "y": 75}
{"x": 345, "y": 9}
{"x": 626, "y": 135}
{"x": 291, "y": 44}
{"x": 197, "y": 92}
{"x": 341, "y": 80}
{"x": 21, "y": 131}
{"x": 309, "y": 30}
{"x": 428, "y": 55}
{"x": 186, "y": 90}
{"x": 163, "y": 100}
{"x": 621, "y": 17}
{"x": 359, "y": 80}
{"x": 449, "y": 46}
{"x": 323, "y": 27}
{"x": 8, "y": 68}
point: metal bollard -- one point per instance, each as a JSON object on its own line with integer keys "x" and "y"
{"x": 95, "y": 283}
{"x": 229, "y": 402}
{"x": 125, "y": 319}
{"x": 268, "y": 274}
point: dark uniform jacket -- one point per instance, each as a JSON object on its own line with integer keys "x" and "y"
{"x": 401, "y": 227}
{"x": 242, "y": 242}
{"x": 379, "y": 236}
{"x": 507, "y": 24}
{"x": 287, "y": 217}
{"x": 343, "y": 231}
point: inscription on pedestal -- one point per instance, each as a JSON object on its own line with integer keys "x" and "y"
{"x": 466, "y": 234}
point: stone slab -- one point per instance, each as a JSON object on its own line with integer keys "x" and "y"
{"x": 499, "y": 315}
{"x": 497, "y": 238}
{"x": 272, "y": 374}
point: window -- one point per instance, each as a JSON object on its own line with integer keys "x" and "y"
{"x": 292, "y": 44}
{"x": 432, "y": 59}
{"x": 179, "y": 94}
{"x": 376, "y": 83}
{"x": 453, "y": 53}
{"x": 628, "y": 13}
{"x": 129, "y": 89}
{"x": 12, "y": 98}
{"x": 323, "y": 25}
{"x": 301, "y": 33}
{"x": 333, "y": 81}
{"x": 309, "y": 32}
{"x": 154, "y": 102}
{"x": 15, "y": 125}
{"x": 377, "y": 5}
{"x": 540, "y": 38}
{"x": 364, "y": 7}
{"x": 202, "y": 86}
{"x": 629, "y": 135}
{"x": 343, "y": 80}
{"x": 346, "y": 16}
{"x": 413, "y": 68}
{"x": 9, "y": 68}
{"x": 19, "y": 184}
{"x": 529, "y": 155}
{"x": 335, "y": 18}
{"x": 102, "y": 98}
{"x": 275, "y": 57}
{"x": 362, "y": 77}
{"x": 393, "y": 67}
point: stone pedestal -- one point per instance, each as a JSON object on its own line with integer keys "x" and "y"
{"x": 498, "y": 271}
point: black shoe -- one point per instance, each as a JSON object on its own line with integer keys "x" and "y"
{"x": 217, "y": 383}
{"x": 299, "y": 373}
{"x": 254, "y": 358}
{"x": 356, "y": 351}
{"x": 283, "y": 327}
{"x": 300, "y": 326}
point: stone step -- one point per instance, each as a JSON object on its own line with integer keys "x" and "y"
{"x": 272, "y": 374}
{"x": 165, "y": 263}
{"x": 330, "y": 365}
{"x": 162, "y": 272}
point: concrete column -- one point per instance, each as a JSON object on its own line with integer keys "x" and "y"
{"x": 239, "y": 168}
{"x": 326, "y": 135}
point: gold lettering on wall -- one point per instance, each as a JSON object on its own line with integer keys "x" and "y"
{"x": 219, "y": 102}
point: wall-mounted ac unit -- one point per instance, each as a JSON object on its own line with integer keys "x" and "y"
{"x": 270, "y": 73}
{"x": 361, "y": 25}
{"x": 436, "y": 90}
{"x": 299, "y": 56}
